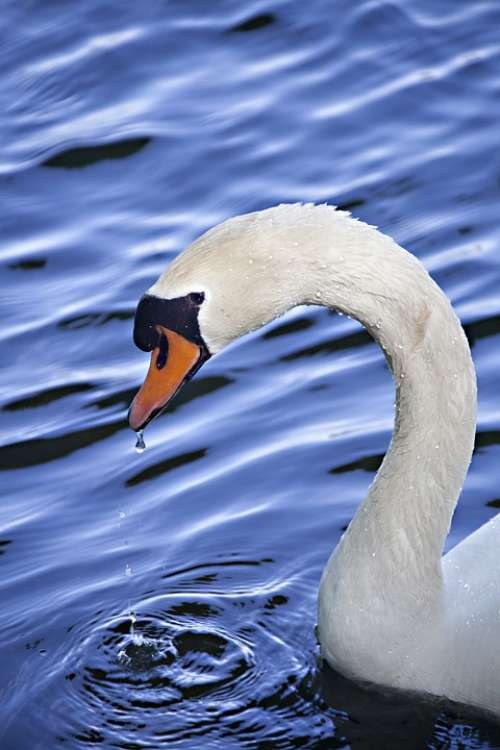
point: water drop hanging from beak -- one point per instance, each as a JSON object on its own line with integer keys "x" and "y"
{"x": 140, "y": 445}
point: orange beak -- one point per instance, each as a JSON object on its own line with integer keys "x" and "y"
{"x": 173, "y": 361}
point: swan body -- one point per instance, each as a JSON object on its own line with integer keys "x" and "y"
{"x": 391, "y": 609}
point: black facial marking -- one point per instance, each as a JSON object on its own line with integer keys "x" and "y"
{"x": 179, "y": 315}
{"x": 161, "y": 360}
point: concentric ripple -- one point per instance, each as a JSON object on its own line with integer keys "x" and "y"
{"x": 191, "y": 663}
{"x": 166, "y": 659}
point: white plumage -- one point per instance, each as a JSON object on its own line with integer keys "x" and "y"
{"x": 391, "y": 611}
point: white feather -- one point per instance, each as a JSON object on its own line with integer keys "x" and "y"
{"x": 392, "y": 611}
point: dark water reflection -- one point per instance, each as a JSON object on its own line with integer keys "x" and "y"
{"x": 168, "y": 599}
{"x": 83, "y": 157}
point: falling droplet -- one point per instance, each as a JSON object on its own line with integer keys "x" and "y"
{"x": 128, "y": 570}
{"x": 140, "y": 446}
{"x": 123, "y": 657}
{"x": 137, "y": 638}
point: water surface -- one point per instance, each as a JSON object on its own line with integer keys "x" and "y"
{"x": 127, "y": 130}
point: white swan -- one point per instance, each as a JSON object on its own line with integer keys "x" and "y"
{"x": 392, "y": 611}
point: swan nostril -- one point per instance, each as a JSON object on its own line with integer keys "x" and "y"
{"x": 161, "y": 359}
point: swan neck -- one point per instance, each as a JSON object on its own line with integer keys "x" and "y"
{"x": 255, "y": 267}
{"x": 403, "y": 523}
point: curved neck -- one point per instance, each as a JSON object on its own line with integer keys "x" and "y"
{"x": 320, "y": 256}
{"x": 403, "y": 522}
{"x": 257, "y": 266}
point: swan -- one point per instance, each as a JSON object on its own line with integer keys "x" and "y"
{"x": 392, "y": 611}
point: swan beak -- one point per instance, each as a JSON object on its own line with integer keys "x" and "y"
{"x": 173, "y": 362}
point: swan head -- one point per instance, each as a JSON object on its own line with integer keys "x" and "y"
{"x": 228, "y": 282}
{"x": 169, "y": 329}
{"x": 249, "y": 270}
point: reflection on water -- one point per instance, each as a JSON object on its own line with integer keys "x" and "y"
{"x": 82, "y": 157}
{"x": 168, "y": 598}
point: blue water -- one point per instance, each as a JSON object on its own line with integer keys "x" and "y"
{"x": 168, "y": 599}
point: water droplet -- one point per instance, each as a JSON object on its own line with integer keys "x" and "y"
{"x": 137, "y": 638}
{"x": 128, "y": 570}
{"x": 317, "y": 295}
{"x": 121, "y": 514}
{"x": 374, "y": 554}
{"x": 140, "y": 445}
{"x": 123, "y": 657}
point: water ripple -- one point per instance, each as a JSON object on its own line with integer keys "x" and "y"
{"x": 126, "y": 132}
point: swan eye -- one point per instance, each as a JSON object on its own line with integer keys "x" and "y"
{"x": 197, "y": 297}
